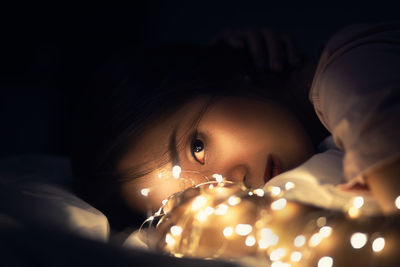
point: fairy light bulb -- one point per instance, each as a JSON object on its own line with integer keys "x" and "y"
{"x": 221, "y": 209}
{"x": 176, "y": 171}
{"x": 176, "y": 230}
{"x": 296, "y": 256}
{"x": 299, "y": 241}
{"x": 358, "y": 240}
{"x": 277, "y": 254}
{"x": 218, "y": 177}
{"x": 325, "y": 262}
{"x": 233, "y": 200}
{"x": 243, "y": 229}
{"x": 397, "y": 202}
{"x": 353, "y": 212}
{"x": 325, "y": 231}
{"x": 259, "y": 192}
{"x": 278, "y": 204}
{"x": 250, "y": 241}
{"x": 228, "y": 231}
{"x": 321, "y": 221}
{"x": 315, "y": 240}
{"x": 378, "y": 244}
{"x": 268, "y": 238}
{"x": 275, "y": 190}
{"x": 358, "y": 202}
{"x": 159, "y": 175}
{"x": 199, "y": 202}
{"x": 145, "y": 192}
{"x": 280, "y": 264}
{"x": 289, "y": 185}
{"x": 169, "y": 239}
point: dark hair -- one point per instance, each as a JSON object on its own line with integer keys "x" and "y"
{"x": 131, "y": 92}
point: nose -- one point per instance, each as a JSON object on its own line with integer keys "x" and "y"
{"x": 237, "y": 173}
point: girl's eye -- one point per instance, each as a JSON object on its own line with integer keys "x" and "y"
{"x": 198, "y": 150}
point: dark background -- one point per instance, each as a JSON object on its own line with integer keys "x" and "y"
{"x": 47, "y": 52}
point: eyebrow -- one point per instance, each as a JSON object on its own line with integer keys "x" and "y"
{"x": 173, "y": 148}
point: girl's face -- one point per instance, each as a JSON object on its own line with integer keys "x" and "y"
{"x": 243, "y": 139}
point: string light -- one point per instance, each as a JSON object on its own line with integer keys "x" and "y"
{"x": 358, "y": 202}
{"x": 259, "y": 192}
{"x": 296, "y": 256}
{"x": 222, "y": 209}
{"x": 315, "y": 240}
{"x": 243, "y": 229}
{"x": 176, "y": 230}
{"x": 250, "y": 241}
{"x": 378, "y": 244}
{"x": 278, "y": 204}
{"x": 280, "y": 264}
{"x": 277, "y": 254}
{"x": 199, "y": 202}
{"x": 321, "y": 221}
{"x": 397, "y": 202}
{"x": 275, "y": 190}
{"x": 218, "y": 177}
{"x": 228, "y": 231}
{"x": 289, "y": 185}
{"x": 299, "y": 241}
{"x": 145, "y": 192}
{"x": 325, "y": 262}
{"x": 358, "y": 240}
{"x": 325, "y": 231}
{"x": 176, "y": 171}
{"x": 233, "y": 200}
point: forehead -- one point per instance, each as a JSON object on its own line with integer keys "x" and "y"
{"x": 151, "y": 148}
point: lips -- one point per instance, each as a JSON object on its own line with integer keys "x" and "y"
{"x": 273, "y": 168}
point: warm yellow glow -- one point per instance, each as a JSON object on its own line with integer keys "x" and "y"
{"x": 358, "y": 240}
{"x": 233, "y": 200}
{"x": 218, "y": 177}
{"x": 277, "y": 254}
{"x": 159, "y": 175}
{"x": 164, "y": 201}
{"x": 250, "y": 241}
{"x": 280, "y": 264}
{"x": 243, "y": 229}
{"x": 199, "y": 202}
{"x": 228, "y": 231}
{"x": 315, "y": 240}
{"x": 325, "y": 262}
{"x": 325, "y": 231}
{"x": 221, "y": 209}
{"x": 397, "y": 202}
{"x": 259, "y": 192}
{"x": 169, "y": 239}
{"x": 268, "y": 238}
{"x": 289, "y": 185}
{"x": 209, "y": 210}
{"x": 354, "y": 212}
{"x": 378, "y": 244}
{"x": 296, "y": 256}
{"x": 176, "y": 230}
{"x": 278, "y": 204}
{"x": 358, "y": 202}
{"x": 176, "y": 171}
{"x": 275, "y": 190}
{"x": 299, "y": 241}
{"x": 145, "y": 192}
{"x": 321, "y": 221}
{"x": 201, "y": 216}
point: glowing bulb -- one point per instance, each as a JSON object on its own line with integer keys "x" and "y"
{"x": 201, "y": 216}
{"x": 354, "y": 212}
{"x": 378, "y": 244}
{"x": 176, "y": 171}
{"x": 176, "y": 230}
{"x": 268, "y": 238}
{"x": 221, "y": 209}
{"x": 145, "y": 192}
{"x": 289, "y": 185}
{"x": 228, "y": 231}
{"x": 321, "y": 221}
{"x": 199, "y": 202}
{"x": 209, "y": 210}
{"x": 280, "y": 264}
{"x": 315, "y": 240}
{"x": 299, "y": 241}
{"x": 278, "y": 204}
{"x": 243, "y": 229}
{"x": 259, "y": 192}
{"x": 325, "y": 262}
{"x": 358, "y": 202}
{"x": 358, "y": 240}
{"x": 218, "y": 177}
{"x": 325, "y": 231}
{"x": 164, "y": 201}
{"x": 275, "y": 190}
{"x": 169, "y": 239}
{"x": 277, "y": 254}
{"x": 250, "y": 241}
{"x": 159, "y": 175}
{"x": 296, "y": 256}
{"x": 233, "y": 200}
{"x": 397, "y": 202}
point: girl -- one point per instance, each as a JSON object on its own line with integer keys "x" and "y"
{"x": 209, "y": 110}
